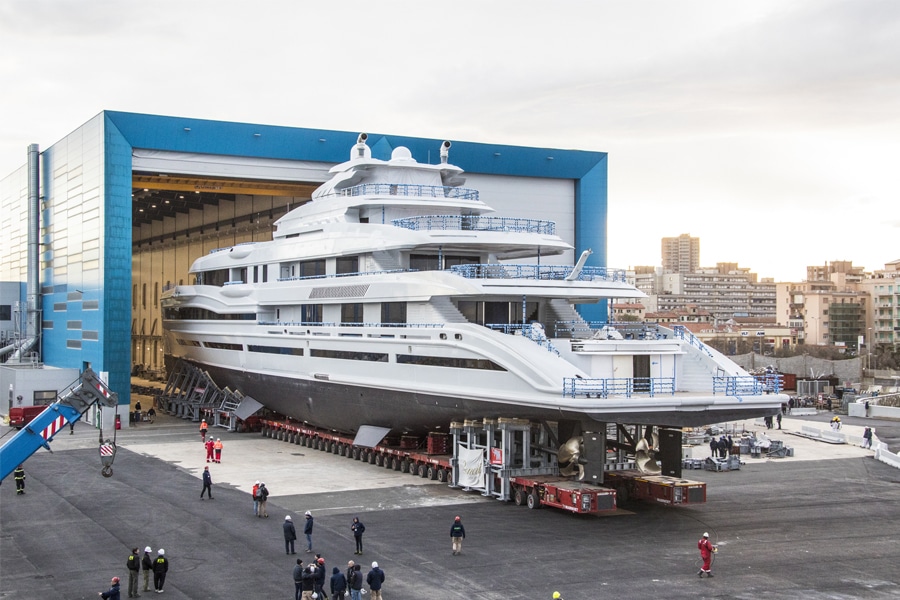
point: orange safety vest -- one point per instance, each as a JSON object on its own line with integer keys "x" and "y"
{"x": 203, "y": 425}
{"x": 217, "y": 445}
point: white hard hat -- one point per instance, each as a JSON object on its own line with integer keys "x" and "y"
{"x": 148, "y": 549}
{"x": 161, "y": 551}
{"x": 705, "y": 534}
{"x": 287, "y": 518}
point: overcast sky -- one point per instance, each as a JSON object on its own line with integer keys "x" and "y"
{"x": 769, "y": 129}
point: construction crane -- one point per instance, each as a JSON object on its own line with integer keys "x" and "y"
{"x": 70, "y": 405}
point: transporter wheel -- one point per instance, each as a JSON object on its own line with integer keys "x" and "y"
{"x": 372, "y": 457}
{"x": 413, "y": 469}
{"x": 395, "y": 463}
{"x": 533, "y": 500}
{"x": 404, "y": 466}
{"x": 519, "y": 496}
{"x": 356, "y": 453}
{"x": 264, "y": 430}
{"x": 379, "y": 460}
{"x": 443, "y": 475}
{"x": 431, "y": 473}
{"x": 423, "y": 471}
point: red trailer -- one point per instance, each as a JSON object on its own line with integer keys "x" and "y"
{"x": 633, "y": 485}
{"x": 563, "y": 493}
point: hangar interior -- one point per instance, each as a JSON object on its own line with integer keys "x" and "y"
{"x": 177, "y": 218}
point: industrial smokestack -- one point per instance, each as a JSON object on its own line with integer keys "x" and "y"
{"x": 33, "y": 279}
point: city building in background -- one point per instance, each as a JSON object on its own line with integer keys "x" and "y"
{"x": 680, "y": 254}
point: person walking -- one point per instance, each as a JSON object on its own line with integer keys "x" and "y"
{"x": 778, "y": 419}
{"x": 298, "y": 579}
{"x": 867, "y": 437}
{"x": 706, "y": 552}
{"x": 218, "y": 448}
{"x": 209, "y": 449}
{"x": 321, "y": 573}
{"x": 357, "y": 528}
{"x": 133, "y": 564}
{"x": 113, "y": 592}
{"x": 375, "y": 579}
{"x": 338, "y": 584}
{"x": 262, "y": 494}
{"x": 356, "y": 583}
{"x": 307, "y": 531}
{"x": 457, "y": 535}
{"x": 203, "y": 430}
{"x": 147, "y": 566}
{"x": 207, "y": 484}
{"x": 160, "y": 568}
{"x": 255, "y": 494}
{"x": 290, "y": 534}
{"x": 19, "y": 475}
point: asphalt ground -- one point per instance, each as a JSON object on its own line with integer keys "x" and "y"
{"x": 823, "y": 524}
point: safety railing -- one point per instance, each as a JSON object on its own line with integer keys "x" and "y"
{"x": 540, "y": 272}
{"x": 406, "y": 189}
{"x": 476, "y": 223}
{"x": 577, "y": 387}
{"x": 533, "y": 332}
{"x": 684, "y": 334}
{"x": 748, "y": 385}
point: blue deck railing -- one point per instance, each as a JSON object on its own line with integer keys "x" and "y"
{"x": 406, "y": 189}
{"x": 534, "y": 333}
{"x": 476, "y": 223}
{"x": 618, "y": 386}
{"x": 545, "y": 272}
{"x": 748, "y": 385}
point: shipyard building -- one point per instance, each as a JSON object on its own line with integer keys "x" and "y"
{"x": 95, "y": 227}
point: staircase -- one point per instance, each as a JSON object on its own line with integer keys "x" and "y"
{"x": 560, "y": 310}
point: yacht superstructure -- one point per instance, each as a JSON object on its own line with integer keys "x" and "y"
{"x": 391, "y": 300}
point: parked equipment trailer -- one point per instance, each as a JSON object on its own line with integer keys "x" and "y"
{"x": 634, "y": 485}
{"x": 563, "y": 493}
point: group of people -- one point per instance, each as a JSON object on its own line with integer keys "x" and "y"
{"x": 290, "y": 532}
{"x": 159, "y": 566}
{"x": 310, "y": 580}
{"x": 213, "y": 446}
{"x": 721, "y": 447}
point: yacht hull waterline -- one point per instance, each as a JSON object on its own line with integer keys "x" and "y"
{"x": 393, "y": 299}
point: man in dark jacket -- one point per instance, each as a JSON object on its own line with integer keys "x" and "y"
{"x": 290, "y": 534}
{"x": 375, "y": 578}
{"x": 307, "y": 530}
{"x": 147, "y": 565}
{"x": 457, "y": 535}
{"x": 321, "y": 573}
{"x": 160, "y": 568}
{"x": 263, "y": 495}
{"x": 298, "y": 579}
{"x": 207, "y": 484}
{"x": 338, "y": 584}
{"x": 309, "y": 582}
{"x": 134, "y": 567}
{"x": 19, "y": 476}
{"x": 357, "y": 528}
{"x": 356, "y": 582}
{"x": 113, "y": 592}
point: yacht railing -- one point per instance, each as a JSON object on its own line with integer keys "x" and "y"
{"x": 373, "y": 325}
{"x": 406, "y": 189}
{"x": 476, "y": 223}
{"x": 684, "y": 334}
{"x": 531, "y": 331}
{"x": 748, "y": 385}
{"x": 618, "y": 386}
{"x": 609, "y": 330}
{"x": 545, "y": 272}
{"x": 355, "y": 274}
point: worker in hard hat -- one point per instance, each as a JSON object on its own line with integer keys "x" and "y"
{"x": 706, "y": 551}
{"x": 557, "y": 596}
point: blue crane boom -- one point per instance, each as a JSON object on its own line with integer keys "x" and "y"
{"x": 71, "y": 404}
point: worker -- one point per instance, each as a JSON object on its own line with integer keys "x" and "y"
{"x": 160, "y": 568}
{"x": 19, "y": 475}
{"x": 146, "y": 567}
{"x": 133, "y": 564}
{"x": 207, "y": 484}
{"x": 557, "y": 596}
{"x": 457, "y": 535}
{"x": 113, "y": 592}
{"x": 203, "y": 429}
{"x": 210, "y": 443}
{"x": 706, "y": 552}
{"x": 218, "y": 448}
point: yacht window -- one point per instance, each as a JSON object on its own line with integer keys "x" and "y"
{"x": 424, "y": 262}
{"x": 393, "y": 312}
{"x": 311, "y": 313}
{"x": 349, "y": 355}
{"x": 276, "y": 350}
{"x": 347, "y": 264}
{"x": 446, "y": 361}
{"x": 452, "y": 261}
{"x": 223, "y": 346}
{"x": 312, "y": 268}
{"x": 352, "y": 313}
